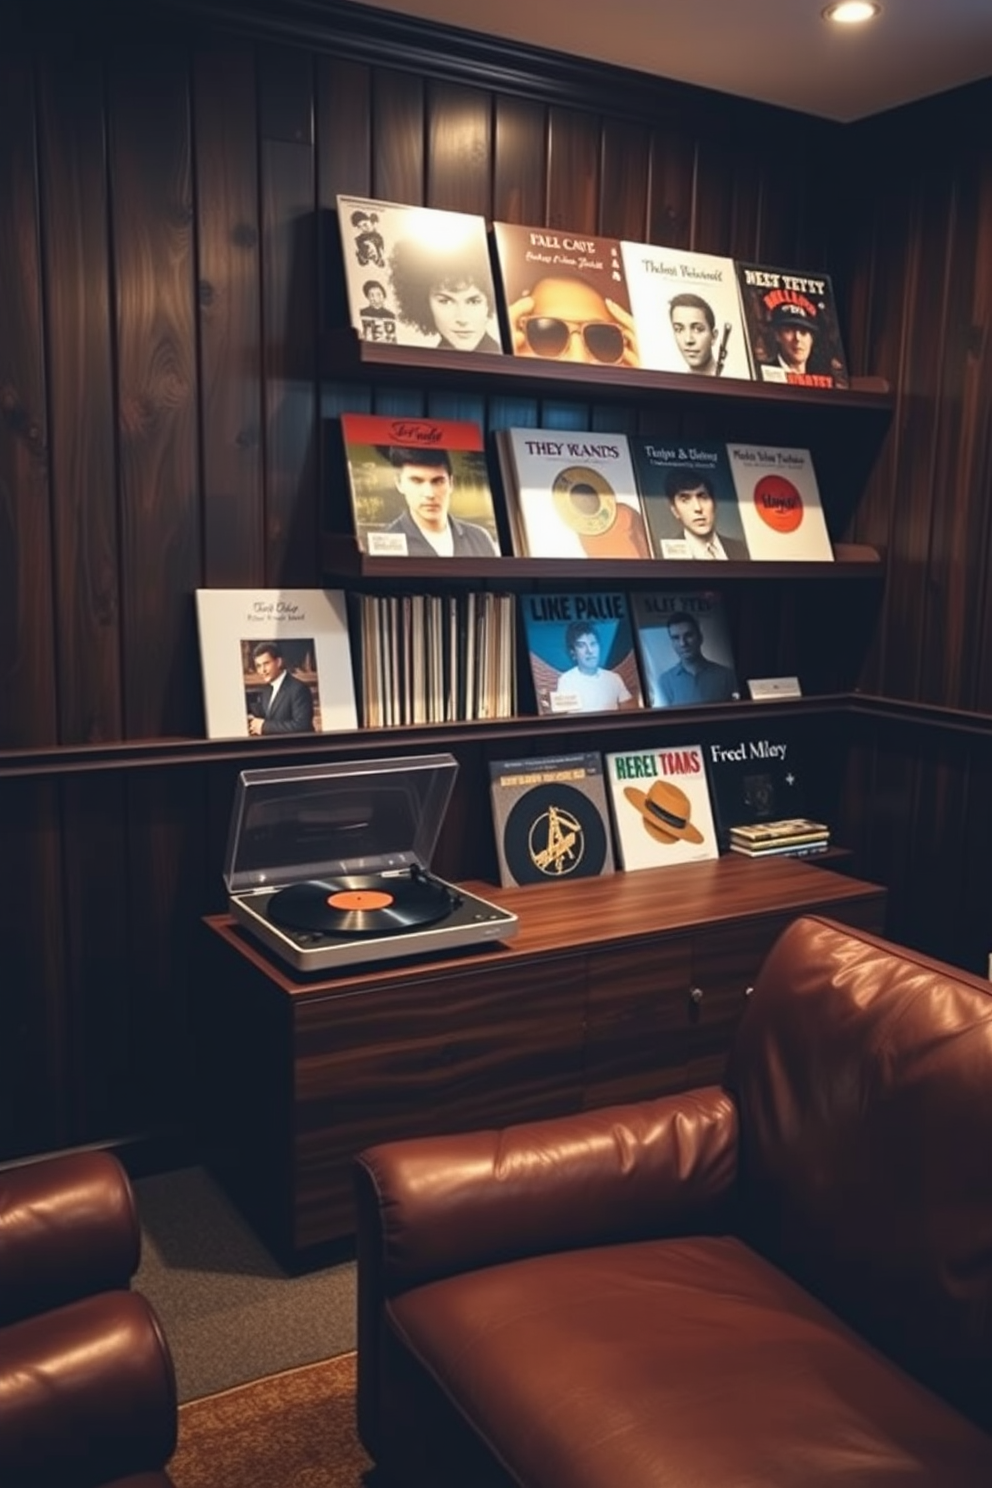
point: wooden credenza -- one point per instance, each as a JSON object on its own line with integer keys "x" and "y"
{"x": 614, "y": 989}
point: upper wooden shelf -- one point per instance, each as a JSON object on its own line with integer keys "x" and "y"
{"x": 343, "y": 357}
{"x": 341, "y": 558}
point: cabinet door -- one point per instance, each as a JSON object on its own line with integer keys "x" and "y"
{"x": 636, "y": 1011}
{"x": 424, "y": 1055}
{"x": 725, "y": 962}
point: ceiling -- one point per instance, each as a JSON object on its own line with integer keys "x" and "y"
{"x": 778, "y": 51}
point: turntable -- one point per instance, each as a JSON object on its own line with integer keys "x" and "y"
{"x": 328, "y": 865}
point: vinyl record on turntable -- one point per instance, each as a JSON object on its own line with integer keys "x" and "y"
{"x": 359, "y": 905}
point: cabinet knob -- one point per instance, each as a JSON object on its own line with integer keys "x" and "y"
{"x": 748, "y": 991}
{"x": 696, "y": 995}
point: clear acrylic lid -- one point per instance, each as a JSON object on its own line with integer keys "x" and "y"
{"x": 353, "y": 816}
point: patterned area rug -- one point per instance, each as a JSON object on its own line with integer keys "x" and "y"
{"x": 291, "y": 1430}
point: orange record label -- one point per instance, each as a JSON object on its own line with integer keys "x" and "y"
{"x": 778, "y": 503}
{"x": 360, "y": 899}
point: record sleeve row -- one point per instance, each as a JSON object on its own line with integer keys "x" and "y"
{"x": 422, "y": 277}
{"x": 420, "y": 488}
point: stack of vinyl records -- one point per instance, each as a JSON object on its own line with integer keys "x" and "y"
{"x": 796, "y": 836}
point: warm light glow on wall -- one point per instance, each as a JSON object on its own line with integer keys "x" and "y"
{"x": 852, "y": 12}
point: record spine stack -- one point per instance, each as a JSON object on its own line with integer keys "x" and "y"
{"x": 795, "y": 837}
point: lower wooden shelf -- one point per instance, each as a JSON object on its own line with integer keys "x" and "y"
{"x": 614, "y": 989}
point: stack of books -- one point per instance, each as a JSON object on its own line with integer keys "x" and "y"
{"x": 796, "y": 836}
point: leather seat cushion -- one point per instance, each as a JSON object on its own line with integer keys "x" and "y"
{"x": 676, "y": 1362}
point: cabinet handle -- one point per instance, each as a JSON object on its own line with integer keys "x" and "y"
{"x": 696, "y": 995}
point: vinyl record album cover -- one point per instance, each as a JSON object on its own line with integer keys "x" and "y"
{"x": 566, "y": 296}
{"x": 689, "y": 499}
{"x": 419, "y": 487}
{"x": 792, "y": 326}
{"x": 779, "y": 501}
{"x": 661, "y": 806}
{"x": 757, "y": 774}
{"x": 684, "y": 646}
{"x": 574, "y": 494}
{"x": 551, "y": 819}
{"x": 687, "y": 311}
{"x": 417, "y": 276}
{"x": 581, "y": 652}
{"x": 275, "y": 661}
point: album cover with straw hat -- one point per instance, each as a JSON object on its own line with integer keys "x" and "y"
{"x": 661, "y": 806}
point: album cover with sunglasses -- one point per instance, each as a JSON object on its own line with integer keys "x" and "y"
{"x": 687, "y": 311}
{"x": 572, "y": 494}
{"x": 581, "y": 652}
{"x": 566, "y": 296}
{"x": 417, "y": 276}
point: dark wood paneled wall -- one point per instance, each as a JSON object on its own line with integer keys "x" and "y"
{"x": 163, "y": 286}
{"x": 918, "y": 249}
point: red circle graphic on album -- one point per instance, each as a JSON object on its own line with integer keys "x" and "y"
{"x": 360, "y": 899}
{"x": 778, "y": 503}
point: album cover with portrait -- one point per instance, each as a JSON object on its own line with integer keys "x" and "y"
{"x": 551, "y": 819}
{"x": 778, "y": 497}
{"x": 684, "y": 646}
{"x": 275, "y": 661}
{"x": 417, "y": 276}
{"x": 689, "y": 498}
{"x": 581, "y": 652}
{"x": 419, "y": 487}
{"x": 565, "y": 296}
{"x": 687, "y": 311}
{"x": 792, "y": 326}
{"x": 661, "y": 806}
{"x": 572, "y": 494}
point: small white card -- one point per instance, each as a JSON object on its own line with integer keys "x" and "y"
{"x": 762, "y": 688}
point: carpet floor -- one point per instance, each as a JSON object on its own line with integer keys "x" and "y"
{"x": 292, "y": 1430}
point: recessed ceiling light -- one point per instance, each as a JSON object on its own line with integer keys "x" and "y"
{"x": 852, "y": 12}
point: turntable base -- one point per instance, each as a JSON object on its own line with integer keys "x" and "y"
{"x": 346, "y": 922}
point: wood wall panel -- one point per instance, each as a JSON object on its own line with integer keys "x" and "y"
{"x": 289, "y": 323}
{"x": 671, "y": 206}
{"x": 102, "y": 977}
{"x": 520, "y": 164}
{"x": 167, "y": 315}
{"x": 574, "y": 170}
{"x": 34, "y": 1074}
{"x": 228, "y": 276}
{"x": 81, "y": 402}
{"x": 625, "y": 190}
{"x": 27, "y": 672}
{"x": 152, "y": 223}
{"x": 459, "y": 149}
{"x": 398, "y": 164}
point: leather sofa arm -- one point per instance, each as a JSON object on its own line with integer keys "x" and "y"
{"x": 87, "y": 1395}
{"x": 68, "y": 1228}
{"x": 435, "y": 1206}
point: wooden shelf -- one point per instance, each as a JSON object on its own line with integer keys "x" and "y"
{"x": 342, "y": 559}
{"x": 145, "y": 754}
{"x": 344, "y": 357}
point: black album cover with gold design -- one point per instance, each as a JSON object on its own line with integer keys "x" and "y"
{"x": 551, "y": 819}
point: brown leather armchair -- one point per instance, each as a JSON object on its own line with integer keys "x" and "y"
{"x": 87, "y": 1387}
{"x": 785, "y": 1280}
